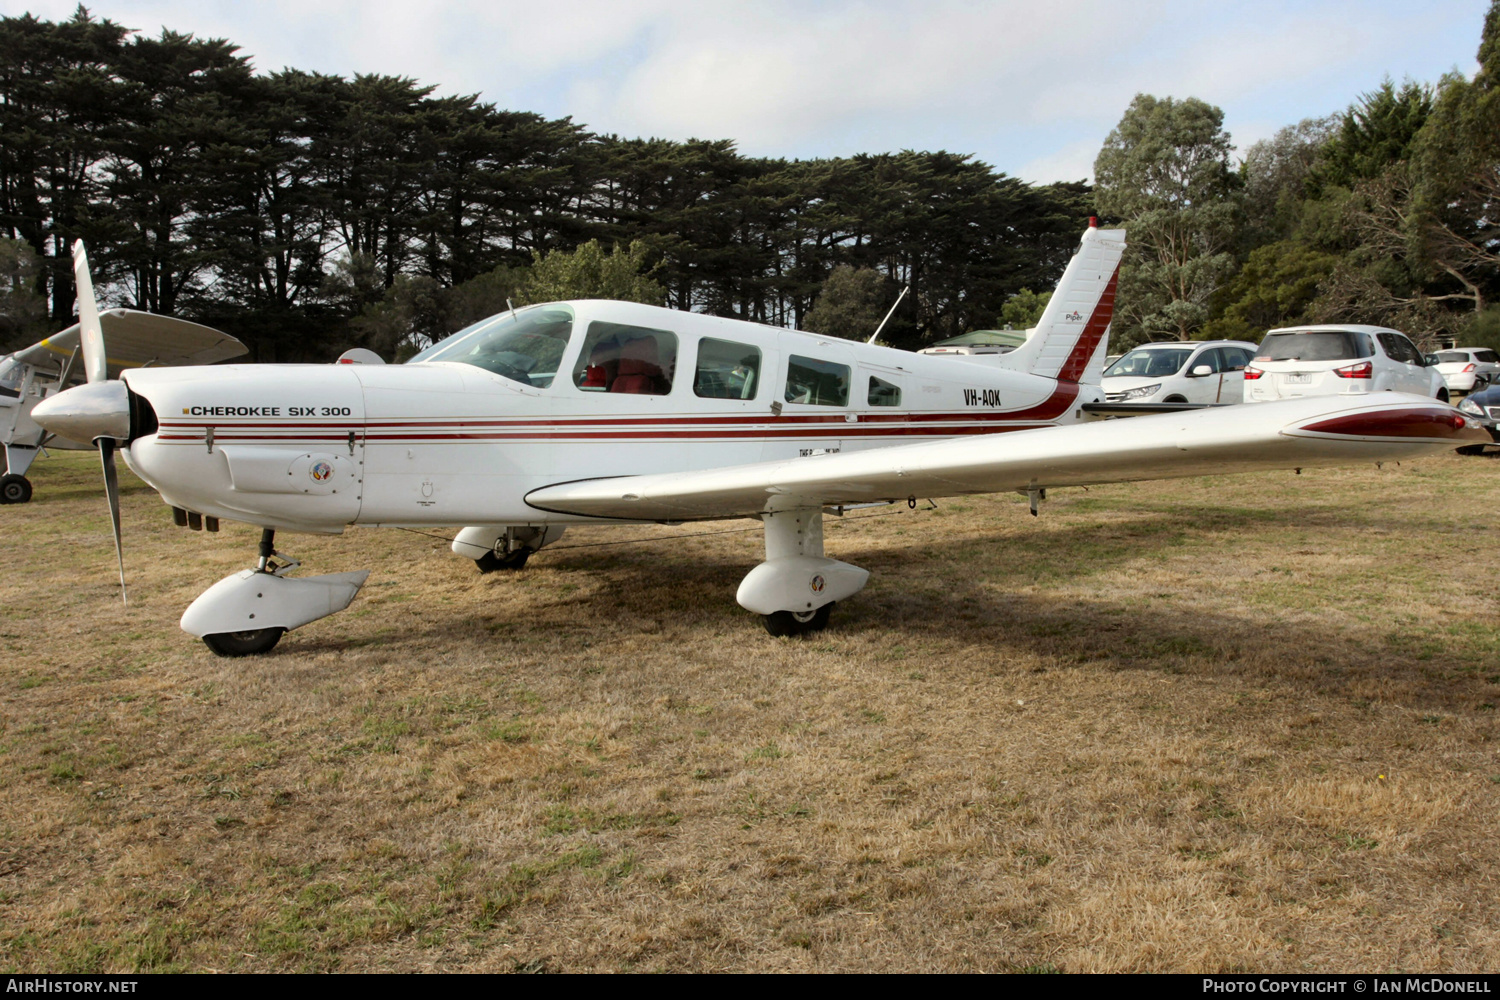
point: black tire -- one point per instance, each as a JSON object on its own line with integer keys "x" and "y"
{"x": 780, "y": 623}
{"x": 490, "y": 562}
{"x": 1175, "y": 399}
{"x": 1442, "y": 396}
{"x": 1471, "y": 449}
{"x": 14, "y": 488}
{"x": 251, "y": 643}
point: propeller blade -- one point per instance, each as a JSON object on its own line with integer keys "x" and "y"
{"x": 112, "y": 490}
{"x": 90, "y": 333}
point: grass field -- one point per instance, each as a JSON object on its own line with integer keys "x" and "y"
{"x": 1224, "y": 724}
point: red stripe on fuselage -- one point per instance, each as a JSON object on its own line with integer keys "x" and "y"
{"x": 1058, "y": 403}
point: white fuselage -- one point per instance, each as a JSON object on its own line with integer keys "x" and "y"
{"x": 316, "y": 447}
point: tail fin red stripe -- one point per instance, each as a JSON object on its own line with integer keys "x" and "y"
{"x": 1093, "y": 332}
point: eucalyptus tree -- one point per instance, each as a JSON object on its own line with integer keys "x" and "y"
{"x": 1165, "y": 173}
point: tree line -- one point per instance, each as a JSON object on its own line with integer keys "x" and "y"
{"x": 306, "y": 213}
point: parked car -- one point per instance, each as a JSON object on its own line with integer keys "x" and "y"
{"x": 1483, "y": 406}
{"x": 1468, "y": 369}
{"x": 1330, "y": 360}
{"x": 1209, "y": 371}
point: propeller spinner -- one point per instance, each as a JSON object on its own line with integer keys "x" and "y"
{"x": 98, "y": 411}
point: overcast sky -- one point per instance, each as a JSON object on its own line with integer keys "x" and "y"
{"x": 1031, "y": 88}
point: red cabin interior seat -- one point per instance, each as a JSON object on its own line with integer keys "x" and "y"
{"x": 640, "y": 368}
{"x": 603, "y": 366}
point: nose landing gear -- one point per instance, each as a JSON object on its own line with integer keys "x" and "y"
{"x": 247, "y": 613}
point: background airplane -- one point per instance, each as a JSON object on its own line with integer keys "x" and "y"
{"x": 572, "y": 413}
{"x": 136, "y": 339}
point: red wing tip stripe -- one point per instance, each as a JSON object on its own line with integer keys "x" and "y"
{"x": 1407, "y": 422}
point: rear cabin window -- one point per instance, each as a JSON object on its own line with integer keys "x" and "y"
{"x": 627, "y": 359}
{"x": 821, "y": 383}
{"x": 1313, "y": 345}
{"x": 726, "y": 370}
{"x": 883, "y": 393}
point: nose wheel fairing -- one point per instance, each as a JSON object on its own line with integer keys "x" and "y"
{"x": 247, "y": 613}
{"x": 255, "y": 600}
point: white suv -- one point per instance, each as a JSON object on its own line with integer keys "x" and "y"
{"x": 1207, "y": 371}
{"x": 1469, "y": 369}
{"x": 1332, "y": 360}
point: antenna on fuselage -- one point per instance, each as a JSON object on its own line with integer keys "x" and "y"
{"x": 889, "y": 314}
{"x": 511, "y": 307}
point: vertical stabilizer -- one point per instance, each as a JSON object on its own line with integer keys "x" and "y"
{"x": 1071, "y": 339}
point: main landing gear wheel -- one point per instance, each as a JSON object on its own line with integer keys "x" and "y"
{"x": 490, "y": 562}
{"x": 797, "y": 622}
{"x": 14, "y": 488}
{"x": 251, "y": 643}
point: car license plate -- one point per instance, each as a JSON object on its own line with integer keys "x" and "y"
{"x": 1297, "y": 378}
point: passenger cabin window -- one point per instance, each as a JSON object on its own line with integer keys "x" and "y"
{"x": 726, "y": 370}
{"x": 525, "y": 346}
{"x": 821, "y": 383}
{"x": 628, "y": 359}
{"x": 883, "y": 393}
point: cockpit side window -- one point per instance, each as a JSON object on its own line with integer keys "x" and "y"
{"x": 821, "y": 383}
{"x": 525, "y": 346}
{"x": 726, "y": 370}
{"x": 626, "y": 359}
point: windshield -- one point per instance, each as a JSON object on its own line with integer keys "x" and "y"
{"x": 11, "y": 372}
{"x": 1312, "y": 345}
{"x": 525, "y": 346}
{"x": 1155, "y": 362}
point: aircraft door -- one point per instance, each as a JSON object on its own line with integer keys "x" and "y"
{"x": 818, "y": 401}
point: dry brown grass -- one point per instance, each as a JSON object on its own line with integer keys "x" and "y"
{"x": 1244, "y": 723}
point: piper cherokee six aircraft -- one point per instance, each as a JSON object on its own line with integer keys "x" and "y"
{"x": 580, "y": 412}
{"x": 136, "y": 339}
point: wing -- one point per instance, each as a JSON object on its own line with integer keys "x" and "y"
{"x": 137, "y": 339}
{"x": 1288, "y": 434}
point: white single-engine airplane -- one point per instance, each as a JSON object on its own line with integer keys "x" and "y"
{"x": 581, "y": 412}
{"x": 136, "y": 339}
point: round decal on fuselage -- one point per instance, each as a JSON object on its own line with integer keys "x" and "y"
{"x": 817, "y": 584}
{"x": 320, "y": 471}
